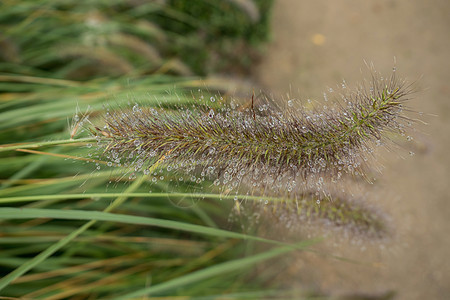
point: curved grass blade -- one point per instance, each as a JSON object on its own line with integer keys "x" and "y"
{"x": 212, "y": 271}
{"x": 6, "y": 280}
{"x": 144, "y": 195}
{"x": 32, "y": 213}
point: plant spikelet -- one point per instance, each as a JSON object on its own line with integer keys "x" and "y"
{"x": 348, "y": 216}
{"x": 270, "y": 147}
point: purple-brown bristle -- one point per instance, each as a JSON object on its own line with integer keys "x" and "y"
{"x": 279, "y": 149}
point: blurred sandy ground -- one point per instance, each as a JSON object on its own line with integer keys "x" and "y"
{"x": 317, "y": 44}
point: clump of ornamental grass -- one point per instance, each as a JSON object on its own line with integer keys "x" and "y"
{"x": 281, "y": 149}
{"x": 73, "y": 40}
{"x": 59, "y": 239}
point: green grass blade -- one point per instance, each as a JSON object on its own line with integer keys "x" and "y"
{"x": 212, "y": 271}
{"x": 6, "y": 280}
{"x": 143, "y": 195}
{"x": 42, "y": 144}
{"x": 32, "y": 213}
{"x": 43, "y": 255}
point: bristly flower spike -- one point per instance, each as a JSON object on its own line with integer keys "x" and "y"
{"x": 277, "y": 148}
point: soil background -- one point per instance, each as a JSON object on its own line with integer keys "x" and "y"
{"x": 317, "y": 44}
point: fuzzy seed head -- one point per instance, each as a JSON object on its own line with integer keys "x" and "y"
{"x": 277, "y": 148}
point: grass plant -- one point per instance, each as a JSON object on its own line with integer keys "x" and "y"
{"x": 80, "y": 40}
{"x": 54, "y": 174}
{"x": 91, "y": 201}
{"x": 49, "y": 188}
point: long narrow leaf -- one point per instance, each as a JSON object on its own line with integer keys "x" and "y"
{"x": 32, "y": 213}
{"x": 212, "y": 271}
{"x": 64, "y": 241}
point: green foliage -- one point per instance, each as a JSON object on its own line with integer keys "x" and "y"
{"x": 242, "y": 24}
{"x": 55, "y": 256}
{"x": 61, "y": 58}
{"x": 73, "y": 228}
{"x": 86, "y": 39}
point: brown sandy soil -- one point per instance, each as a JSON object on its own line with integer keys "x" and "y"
{"x": 317, "y": 44}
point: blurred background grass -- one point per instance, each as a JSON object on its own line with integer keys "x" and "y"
{"x": 58, "y": 58}
{"x": 84, "y": 40}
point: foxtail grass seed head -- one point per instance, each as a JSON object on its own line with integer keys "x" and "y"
{"x": 348, "y": 217}
{"x": 288, "y": 148}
